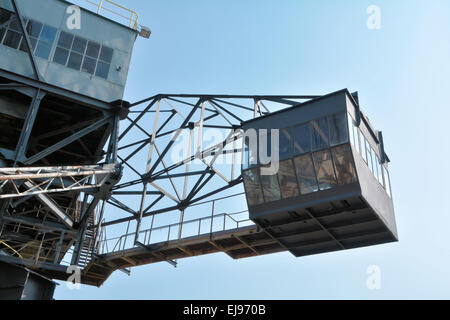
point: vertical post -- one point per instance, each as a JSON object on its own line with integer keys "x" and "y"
{"x": 126, "y": 235}
{"x": 100, "y": 4}
{"x": 212, "y": 216}
{"x": 141, "y": 213}
{"x": 40, "y": 248}
{"x": 181, "y": 224}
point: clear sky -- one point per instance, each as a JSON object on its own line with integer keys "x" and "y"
{"x": 401, "y": 72}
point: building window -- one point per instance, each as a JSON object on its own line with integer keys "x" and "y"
{"x": 323, "y": 164}
{"x": 83, "y": 55}
{"x": 343, "y": 160}
{"x": 338, "y": 129}
{"x": 302, "y": 141}
{"x": 305, "y": 174}
{"x": 271, "y": 188}
{"x": 41, "y": 36}
{"x": 320, "y": 134}
{"x": 285, "y": 143}
{"x": 379, "y": 172}
{"x": 252, "y": 187}
{"x": 287, "y": 179}
{"x": 351, "y": 130}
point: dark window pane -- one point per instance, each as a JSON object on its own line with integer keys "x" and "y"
{"x": 34, "y": 28}
{"x": 4, "y": 16}
{"x": 14, "y": 25}
{"x": 351, "y": 130}
{"x": 320, "y": 138}
{"x": 302, "y": 140}
{"x": 338, "y": 128}
{"x": 23, "y": 47}
{"x": 89, "y": 65}
{"x": 252, "y": 187}
{"x": 65, "y": 40}
{"x": 343, "y": 161}
{"x": 285, "y": 143}
{"x": 288, "y": 180}
{"x": 305, "y": 174}
{"x": 102, "y": 70}
{"x": 75, "y": 60}
{"x": 251, "y": 149}
{"x": 61, "y": 56}
{"x": 93, "y": 49}
{"x": 106, "y": 54}
{"x": 43, "y": 49}
{"x": 12, "y": 39}
{"x": 271, "y": 188}
{"x": 324, "y": 169}
{"x": 48, "y": 34}
{"x": 79, "y": 45}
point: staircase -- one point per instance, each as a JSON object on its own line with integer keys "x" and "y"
{"x": 88, "y": 244}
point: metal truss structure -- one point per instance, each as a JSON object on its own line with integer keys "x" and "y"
{"x": 61, "y": 194}
{"x": 141, "y": 180}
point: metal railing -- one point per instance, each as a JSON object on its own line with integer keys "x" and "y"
{"x": 175, "y": 232}
{"x": 132, "y": 17}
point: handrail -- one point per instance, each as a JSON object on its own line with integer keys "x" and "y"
{"x": 121, "y": 240}
{"x": 132, "y": 18}
{"x": 11, "y": 248}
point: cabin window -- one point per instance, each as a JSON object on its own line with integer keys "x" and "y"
{"x": 83, "y": 55}
{"x": 323, "y": 164}
{"x": 305, "y": 174}
{"x": 351, "y": 130}
{"x": 380, "y": 173}
{"x": 302, "y": 141}
{"x": 271, "y": 188}
{"x": 343, "y": 161}
{"x": 338, "y": 128}
{"x": 252, "y": 187}
{"x": 41, "y": 36}
{"x": 287, "y": 179}
{"x": 285, "y": 143}
{"x": 320, "y": 134}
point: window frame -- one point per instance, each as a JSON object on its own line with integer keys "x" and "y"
{"x": 84, "y": 56}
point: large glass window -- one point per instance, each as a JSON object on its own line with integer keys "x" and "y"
{"x": 41, "y": 36}
{"x": 320, "y": 134}
{"x": 338, "y": 128}
{"x": 306, "y": 174}
{"x": 288, "y": 179}
{"x": 285, "y": 143}
{"x": 351, "y": 130}
{"x": 379, "y": 172}
{"x": 324, "y": 169}
{"x": 343, "y": 160}
{"x": 302, "y": 141}
{"x": 252, "y": 187}
{"x": 81, "y": 54}
{"x": 271, "y": 188}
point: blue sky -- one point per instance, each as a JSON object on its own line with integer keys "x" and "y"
{"x": 311, "y": 47}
